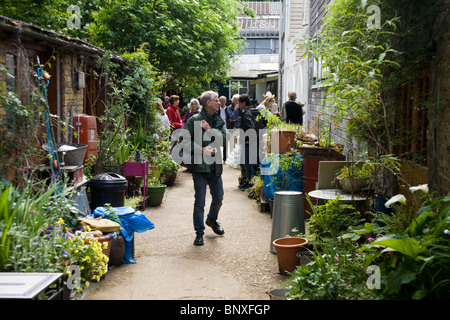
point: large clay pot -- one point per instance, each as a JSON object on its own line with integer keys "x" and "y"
{"x": 287, "y": 250}
{"x": 282, "y": 141}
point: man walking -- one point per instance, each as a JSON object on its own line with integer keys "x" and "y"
{"x": 208, "y": 171}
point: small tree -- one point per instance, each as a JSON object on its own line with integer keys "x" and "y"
{"x": 366, "y": 53}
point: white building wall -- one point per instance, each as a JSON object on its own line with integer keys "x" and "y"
{"x": 293, "y": 67}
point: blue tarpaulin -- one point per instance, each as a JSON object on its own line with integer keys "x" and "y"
{"x": 130, "y": 221}
{"x": 276, "y": 178}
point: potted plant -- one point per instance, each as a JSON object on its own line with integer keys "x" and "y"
{"x": 170, "y": 172}
{"x": 321, "y": 145}
{"x": 354, "y": 177}
{"x": 156, "y": 188}
{"x": 282, "y": 137}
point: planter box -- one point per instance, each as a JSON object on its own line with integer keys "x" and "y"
{"x": 282, "y": 141}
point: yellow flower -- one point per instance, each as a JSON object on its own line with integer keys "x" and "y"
{"x": 60, "y": 221}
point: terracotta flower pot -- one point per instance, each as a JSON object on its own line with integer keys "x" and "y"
{"x": 287, "y": 250}
{"x": 282, "y": 141}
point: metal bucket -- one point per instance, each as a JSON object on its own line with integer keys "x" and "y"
{"x": 69, "y": 154}
{"x": 278, "y": 294}
{"x": 287, "y": 215}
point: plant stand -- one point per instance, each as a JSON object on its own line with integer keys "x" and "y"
{"x": 138, "y": 169}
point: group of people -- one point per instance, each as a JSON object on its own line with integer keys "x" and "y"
{"x": 211, "y": 111}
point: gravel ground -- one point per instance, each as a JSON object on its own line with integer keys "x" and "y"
{"x": 237, "y": 265}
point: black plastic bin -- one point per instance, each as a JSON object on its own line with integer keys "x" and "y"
{"x": 106, "y": 188}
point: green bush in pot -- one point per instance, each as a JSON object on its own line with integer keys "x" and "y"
{"x": 355, "y": 176}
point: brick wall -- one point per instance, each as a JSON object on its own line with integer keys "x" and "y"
{"x": 438, "y": 134}
{"x": 316, "y": 94}
{"x": 72, "y": 98}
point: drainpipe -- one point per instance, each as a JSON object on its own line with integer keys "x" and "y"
{"x": 58, "y": 94}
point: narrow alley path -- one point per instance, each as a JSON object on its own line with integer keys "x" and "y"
{"x": 237, "y": 265}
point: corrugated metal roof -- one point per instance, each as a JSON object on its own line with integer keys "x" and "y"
{"x": 265, "y": 8}
{"x": 266, "y": 20}
{"x": 20, "y": 27}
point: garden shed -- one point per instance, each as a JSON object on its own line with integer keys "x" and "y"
{"x": 73, "y": 88}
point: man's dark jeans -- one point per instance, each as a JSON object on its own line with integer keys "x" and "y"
{"x": 247, "y": 167}
{"x": 201, "y": 181}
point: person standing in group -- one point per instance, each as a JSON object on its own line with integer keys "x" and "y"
{"x": 267, "y": 107}
{"x": 223, "y": 108}
{"x": 269, "y": 103}
{"x": 166, "y": 102}
{"x": 164, "y": 129}
{"x": 173, "y": 113}
{"x": 225, "y": 116}
{"x": 283, "y": 109}
{"x": 234, "y": 113}
{"x": 294, "y": 111}
{"x": 203, "y": 174}
{"x": 194, "y": 108}
{"x": 247, "y": 124}
{"x": 233, "y": 123}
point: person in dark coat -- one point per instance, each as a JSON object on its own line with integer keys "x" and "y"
{"x": 294, "y": 111}
{"x": 206, "y": 174}
{"x": 248, "y": 149}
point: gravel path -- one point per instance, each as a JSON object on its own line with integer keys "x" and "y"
{"x": 237, "y": 265}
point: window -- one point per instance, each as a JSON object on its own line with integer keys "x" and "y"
{"x": 242, "y": 87}
{"x": 11, "y": 75}
{"x": 319, "y": 72}
{"x": 261, "y": 46}
{"x": 238, "y": 86}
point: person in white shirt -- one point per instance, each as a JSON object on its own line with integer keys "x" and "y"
{"x": 161, "y": 115}
{"x": 223, "y": 108}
